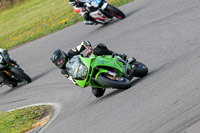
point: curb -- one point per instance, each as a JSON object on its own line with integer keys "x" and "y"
{"x": 43, "y": 123}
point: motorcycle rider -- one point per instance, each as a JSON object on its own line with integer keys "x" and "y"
{"x": 84, "y": 7}
{"x": 60, "y": 58}
{"x": 4, "y": 77}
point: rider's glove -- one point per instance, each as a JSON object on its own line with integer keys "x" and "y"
{"x": 89, "y": 51}
{"x": 89, "y": 7}
{"x": 86, "y": 44}
{"x": 65, "y": 73}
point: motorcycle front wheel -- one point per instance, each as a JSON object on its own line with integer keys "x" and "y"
{"x": 117, "y": 82}
{"x": 19, "y": 73}
{"x": 141, "y": 69}
{"x": 115, "y": 11}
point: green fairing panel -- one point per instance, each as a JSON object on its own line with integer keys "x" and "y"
{"x": 98, "y": 61}
{"x": 108, "y": 61}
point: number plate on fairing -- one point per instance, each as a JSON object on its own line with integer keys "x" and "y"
{"x": 99, "y": 17}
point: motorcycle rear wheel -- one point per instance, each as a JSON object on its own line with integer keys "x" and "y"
{"x": 115, "y": 11}
{"x": 117, "y": 82}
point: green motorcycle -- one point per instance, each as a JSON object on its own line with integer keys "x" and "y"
{"x": 107, "y": 71}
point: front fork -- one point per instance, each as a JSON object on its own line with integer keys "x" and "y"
{"x": 102, "y": 9}
{"x": 8, "y": 71}
{"x": 9, "y": 67}
{"x": 105, "y": 4}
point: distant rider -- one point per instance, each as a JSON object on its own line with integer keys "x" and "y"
{"x": 60, "y": 58}
{"x": 3, "y": 65}
{"x": 84, "y": 7}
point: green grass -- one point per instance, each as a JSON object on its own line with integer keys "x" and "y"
{"x": 21, "y": 120}
{"x": 36, "y": 18}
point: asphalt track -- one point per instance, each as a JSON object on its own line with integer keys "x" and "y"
{"x": 163, "y": 34}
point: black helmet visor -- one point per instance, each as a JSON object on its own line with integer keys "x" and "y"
{"x": 60, "y": 61}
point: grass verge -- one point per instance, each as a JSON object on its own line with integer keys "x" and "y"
{"x": 36, "y": 18}
{"x": 21, "y": 120}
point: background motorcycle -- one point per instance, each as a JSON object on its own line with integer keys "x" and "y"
{"x": 10, "y": 73}
{"x": 105, "y": 12}
{"x": 107, "y": 71}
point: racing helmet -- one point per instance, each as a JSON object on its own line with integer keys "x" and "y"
{"x": 3, "y": 51}
{"x": 59, "y": 58}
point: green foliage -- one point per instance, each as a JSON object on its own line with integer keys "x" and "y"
{"x": 21, "y": 120}
{"x": 36, "y": 18}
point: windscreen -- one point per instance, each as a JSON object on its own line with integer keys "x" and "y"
{"x": 76, "y": 68}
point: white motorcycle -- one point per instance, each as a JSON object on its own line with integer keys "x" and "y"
{"x": 106, "y": 12}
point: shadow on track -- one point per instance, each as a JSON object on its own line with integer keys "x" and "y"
{"x": 145, "y": 5}
{"x": 111, "y": 94}
{"x": 102, "y": 27}
{"x": 36, "y": 77}
{"x": 105, "y": 97}
{"x": 12, "y": 89}
{"x": 137, "y": 80}
{"x": 133, "y": 12}
{"x": 14, "y": 101}
{"x": 133, "y": 83}
{"x": 116, "y": 92}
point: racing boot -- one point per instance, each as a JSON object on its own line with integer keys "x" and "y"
{"x": 131, "y": 60}
{"x": 89, "y": 22}
{"x": 88, "y": 19}
{"x": 123, "y": 56}
{"x": 98, "y": 92}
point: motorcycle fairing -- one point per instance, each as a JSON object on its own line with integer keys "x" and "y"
{"x": 99, "y": 62}
{"x": 99, "y": 17}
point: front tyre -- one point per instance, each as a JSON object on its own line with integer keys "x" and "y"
{"x": 114, "y": 82}
{"x": 115, "y": 11}
{"x": 141, "y": 69}
{"x": 20, "y": 74}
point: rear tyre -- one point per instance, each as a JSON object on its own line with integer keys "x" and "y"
{"x": 141, "y": 69}
{"x": 115, "y": 11}
{"x": 117, "y": 82}
{"x": 19, "y": 72}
